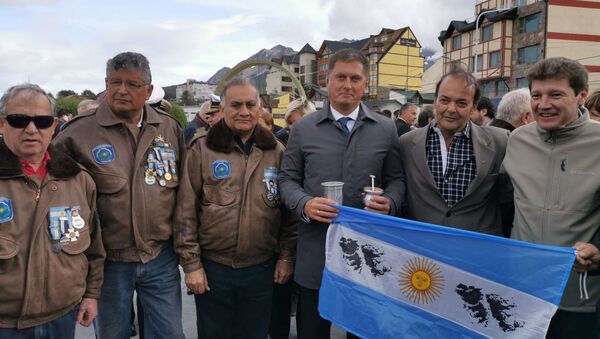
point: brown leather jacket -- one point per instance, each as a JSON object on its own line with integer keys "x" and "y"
{"x": 39, "y": 284}
{"x": 135, "y": 215}
{"x": 229, "y": 209}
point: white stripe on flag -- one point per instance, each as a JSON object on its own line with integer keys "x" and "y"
{"x": 484, "y": 306}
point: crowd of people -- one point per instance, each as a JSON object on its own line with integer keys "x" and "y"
{"x": 122, "y": 198}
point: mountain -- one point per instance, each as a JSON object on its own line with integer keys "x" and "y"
{"x": 264, "y": 54}
{"x": 213, "y": 80}
{"x": 428, "y": 54}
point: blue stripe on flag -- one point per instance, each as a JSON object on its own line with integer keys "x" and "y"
{"x": 370, "y": 314}
{"x": 527, "y": 267}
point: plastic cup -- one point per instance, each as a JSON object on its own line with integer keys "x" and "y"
{"x": 333, "y": 190}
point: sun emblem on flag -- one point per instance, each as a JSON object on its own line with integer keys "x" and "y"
{"x": 421, "y": 280}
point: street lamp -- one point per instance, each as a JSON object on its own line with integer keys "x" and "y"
{"x": 477, "y": 32}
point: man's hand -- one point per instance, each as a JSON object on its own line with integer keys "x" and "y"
{"x": 318, "y": 209}
{"x": 378, "y": 204}
{"x": 88, "y": 309}
{"x": 588, "y": 257}
{"x": 283, "y": 271}
{"x": 196, "y": 281}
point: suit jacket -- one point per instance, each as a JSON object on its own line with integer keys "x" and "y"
{"x": 318, "y": 151}
{"x": 402, "y": 127}
{"x": 480, "y": 208}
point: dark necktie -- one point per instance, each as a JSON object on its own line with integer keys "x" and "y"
{"x": 344, "y": 123}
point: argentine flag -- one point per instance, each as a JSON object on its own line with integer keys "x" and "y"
{"x": 387, "y": 277}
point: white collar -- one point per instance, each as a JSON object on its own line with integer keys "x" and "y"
{"x": 337, "y": 115}
{"x": 139, "y": 124}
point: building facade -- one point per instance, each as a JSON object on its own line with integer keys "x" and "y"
{"x": 505, "y": 37}
{"x": 200, "y": 91}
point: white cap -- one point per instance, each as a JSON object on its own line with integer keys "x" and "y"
{"x": 157, "y": 95}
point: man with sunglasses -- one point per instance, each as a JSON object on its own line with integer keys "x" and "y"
{"x": 133, "y": 152}
{"x": 51, "y": 253}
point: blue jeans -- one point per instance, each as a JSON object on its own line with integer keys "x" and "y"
{"x": 238, "y": 304}
{"x": 158, "y": 286}
{"x": 63, "y": 327}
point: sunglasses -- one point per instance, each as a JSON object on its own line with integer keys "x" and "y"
{"x": 22, "y": 121}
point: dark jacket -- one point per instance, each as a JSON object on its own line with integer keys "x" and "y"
{"x": 229, "y": 208}
{"x": 402, "y": 127}
{"x": 136, "y": 217}
{"x": 319, "y": 151}
{"x": 38, "y": 284}
{"x": 502, "y": 124}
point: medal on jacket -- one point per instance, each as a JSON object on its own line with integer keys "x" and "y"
{"x": 58, "y": 215}
{"x": 161, "y": 163}
{"x": 72, "y": 234}
{"x": 270, "y": 184}
{"x": 76, "y": 219}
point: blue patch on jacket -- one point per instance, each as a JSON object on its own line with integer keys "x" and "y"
{"x": 221, "y": 169}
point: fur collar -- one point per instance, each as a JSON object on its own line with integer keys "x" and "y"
{"x": 60, "y": 165}
{"x": 220, "y": 138}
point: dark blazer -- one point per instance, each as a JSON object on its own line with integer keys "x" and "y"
{"x": 480, "y": 209}
{"x": 502, "y": 124}
{"x": 318, "y": 151}
{"x": 402, "y": 127}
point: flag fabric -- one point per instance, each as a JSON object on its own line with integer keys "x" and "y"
{"x": 388, "y": 277}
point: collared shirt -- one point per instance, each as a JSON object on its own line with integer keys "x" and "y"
{"x": 453, "y": 168}
{"x": 246, "y": 147}
{"x": 353, "y": 116}
{"x": 40, "y": 172}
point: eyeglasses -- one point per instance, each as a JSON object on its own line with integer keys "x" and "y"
{"x": 129, "y": 84}
{"x": 22, "y": 121}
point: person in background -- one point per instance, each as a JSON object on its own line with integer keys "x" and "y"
{"x": 514, "y": 110}
{"x": 484, "y": 112}
{"x": 406, "y": 119}
{"x": 201, "y": 120}
{"x": 86, "y": 105}
{"x": 51, "y": 253}
{"x": 425, "y": 116}
{"x": 295, "y": 110}
{"x": 593, "y": 105}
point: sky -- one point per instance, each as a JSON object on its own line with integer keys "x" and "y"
{"x": 64, "y": 44}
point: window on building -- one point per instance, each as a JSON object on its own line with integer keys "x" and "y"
{"x": 522, "y": 83}
{"x": 494, "y": 61}
{"x": 296, "y": 69}
{"x": 479, "y": 63}
{"x": 302, "y": 79}
{"x": 487, "y": 33}
{"x": 373, "y": 68}
{"x": 373, "y": 78}
{"x": 286, "y": 79}
{"x": 384, "y": 38}
{"x": 529, "y": 54}
{"x": 286, "y": 89}
{"x": 302, "y": 71}
{"x": 530, "y": 23}
{"x": 456, "y": 42}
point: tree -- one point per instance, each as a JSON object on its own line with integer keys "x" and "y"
{"x": 178, "y": 113}
{"x": 65, "y": 93}
{"x": 88, "y": 94}
{"x": 187, "y": 98}
{"x": 67, "y": 105}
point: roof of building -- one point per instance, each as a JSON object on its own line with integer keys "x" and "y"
{"x": 307, "y": 49}
{"x": 464, "y": 26}
{"x": 291, "y": 59}
{"x": 335, "y": 46}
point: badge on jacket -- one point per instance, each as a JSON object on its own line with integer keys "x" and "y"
{"x": 103, "y": 154}
{"x": 161, "y": 163}
{"x": 64, "y": 225}
{"x": 221, "y": 169}
{"x": 6, "y": 210}
{"x": 270, "y": 184}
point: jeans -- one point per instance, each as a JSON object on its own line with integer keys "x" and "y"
{"x": 238, "y": 304}
{"x": 158, "y": 286}
{"x": 63, "y": 327}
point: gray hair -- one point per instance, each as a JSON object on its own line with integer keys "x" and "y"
{"x": 30, "y": 91}
{"x": 87, "y": 102}
{"x": 303, "y": 107}
{"x": 130, "y": 61}
{"x": 237, "y": 82}
{"x": 513, "y": 105}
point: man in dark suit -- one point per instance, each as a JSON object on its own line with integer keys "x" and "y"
{"x": 344, "y": 141}
{"x": 452, "y": 164}
{"x": 406, "y": 118}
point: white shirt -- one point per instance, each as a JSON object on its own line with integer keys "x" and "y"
{"x": 353, "y": 116}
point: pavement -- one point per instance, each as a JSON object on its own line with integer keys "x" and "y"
{"x": 189, "y": 321}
